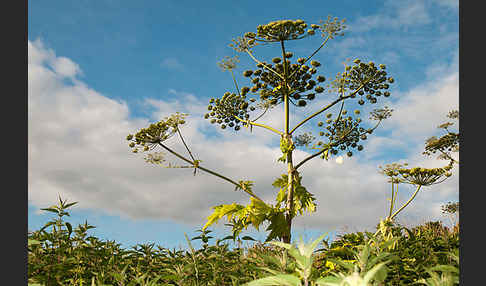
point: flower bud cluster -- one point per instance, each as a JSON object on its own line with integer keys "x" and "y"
{"x": 156, "y": 132}
{"x": 282, "y": 30}
{"x": 417, "y": 176}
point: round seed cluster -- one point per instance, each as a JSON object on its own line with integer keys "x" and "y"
{"x": 370, "y": 81}
{"x": 343, "y": 133}
{"x": 225, "y": 110}
{"x": 269, "y": 85}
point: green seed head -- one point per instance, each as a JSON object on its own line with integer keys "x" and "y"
{"x": 247, "y": 73}
{"x": 302, "y": 103}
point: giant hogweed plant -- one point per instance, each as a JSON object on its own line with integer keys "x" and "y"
{"x": 419, "y": 177}
{"x": 293, "y": 84}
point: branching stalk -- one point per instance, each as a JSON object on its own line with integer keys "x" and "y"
{"x": 210, "y": 172}
{"x": 258, "y": 124}
{"x": 330, "y": 145}
{"x": 392, "y": 199}
{"x": 308, "y": 58}
{"x": 267, "y": 67}
{"x": 408, "y": 202}
{"x": 329, "y": 106}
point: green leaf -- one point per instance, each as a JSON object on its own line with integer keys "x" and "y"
{"x": 69, "y": 227}
{"x": 32, "y": 242}
{"x": 70, "y": 204}
{"x": 47, "y": 225}
{"x": 347, "y": 265}
{"x": 51, "y": 209}
{"x": 378, "y": 272}
{"x": 221, "y": 211}
{"x": 248, "y": 238}
{"x": 445, "y": 268}
{"x": 277, "y": 280}
{"x": 364, "y": 254}
{"x": 329, "y": 281}
{"x": 309, "y": 249}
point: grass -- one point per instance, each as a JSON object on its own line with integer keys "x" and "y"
{"x": 59, "y": 254}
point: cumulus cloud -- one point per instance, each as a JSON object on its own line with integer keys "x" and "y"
{"x": 77, "y": 148}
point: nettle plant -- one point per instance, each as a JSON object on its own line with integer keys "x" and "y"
{"x": 293, "y": 84}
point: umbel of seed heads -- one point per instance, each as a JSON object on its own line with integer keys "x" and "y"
{"x": 418, "y": 176}
{"x": 156, "y": 133}
{"x": 268, "y": 87}
{"x": 225, "y": 110}
{"x": 371, "y": 81}
{"x": 344, "y": 132}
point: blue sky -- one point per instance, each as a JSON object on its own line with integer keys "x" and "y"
{"x": 99, "y": 70}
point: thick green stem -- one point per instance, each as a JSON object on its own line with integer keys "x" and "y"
{"x": 391, "y": 201}
{"x": 406, "y": 204}
{"x": 290, "y": 168}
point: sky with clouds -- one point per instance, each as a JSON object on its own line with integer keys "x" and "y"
{"x": 99, "y": 70}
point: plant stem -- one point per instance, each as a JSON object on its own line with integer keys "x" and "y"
{"x": 210, "y": 172}
{"x": 267, "y": 67}
{"x": 258, "y": 124}
{"x": 183, "y": 142}
{"x": 329, "y": 106}
{"x": 406, "y": 204}
{"x": 309, "y": 57}
{"x": 391, "y": 201}
{"x": 290, "y": 168}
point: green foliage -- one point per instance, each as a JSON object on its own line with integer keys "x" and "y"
{"x": 426, "y": 254}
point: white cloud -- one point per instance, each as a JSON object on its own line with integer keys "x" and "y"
{"x": 425, "y": 106}
{"x": 77, "y": 148}
{"x": 394, "y": 14}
